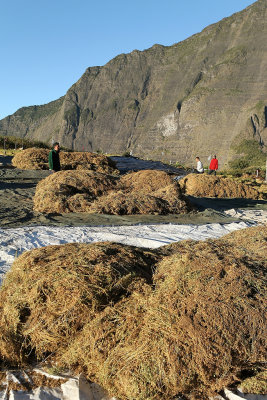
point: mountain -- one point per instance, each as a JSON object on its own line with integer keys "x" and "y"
{"x": 198, "y": 97}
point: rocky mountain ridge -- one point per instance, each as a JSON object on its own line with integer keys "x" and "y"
{"x": 198, "y": 97}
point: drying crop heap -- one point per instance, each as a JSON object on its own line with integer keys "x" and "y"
{"x": 56, "y": 289}
{"x": 202, "y": 185}
{"x": 144, "y": 192}
{"x": 88, "y": 161}
{"x": 71, "y": 191}
{"x": 35, "y": 158}
{"x": 185, "y": 319}
{"x": 32, "y": 158}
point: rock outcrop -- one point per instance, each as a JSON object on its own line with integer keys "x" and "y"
{"x": 197, "y": 97}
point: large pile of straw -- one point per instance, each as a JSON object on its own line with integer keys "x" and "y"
{"x": 252, "y": 241}
{"x": 144, "y": 192}
{"x": 191, "y": 330}
{"x": 202, "y": 185}
{"x": 159, "y": 185}
{"x": 262, "y": 189}
{"x": 203, "y": 324}
{"x": 36, "y": 158}
{"x": 32, "y": 158}
{"x": 121, "y": 203}
{"x": 147, "y": 181}
{"x": 89, "y": 161}
{"x": 51, "y": 292}
{"x": 71, "y": 191}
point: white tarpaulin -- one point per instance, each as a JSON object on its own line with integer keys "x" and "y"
{"x": 15, "y": 241}
{"x": 74, "y": 388}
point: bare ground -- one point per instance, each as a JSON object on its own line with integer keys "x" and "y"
{"x": 17, "y": 188}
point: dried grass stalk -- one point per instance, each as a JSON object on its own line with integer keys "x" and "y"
{"x": 147, "y": 181}
{"x": 52, "y": 292}
{"x": 144, "y": 192}
{"x": 121, "y": 203}
{"x": 202, "y": 324}
{"x": 252, "y": 241}
{"x": 85, "y": 191}
{"x": 35, "y": 158}
{"x": 88, "y": 161}
{"x": 256, "y": 384}
{"x": 202, "y": 185}
{"x": 192, "y": 331}
{"x": 71, "y": 191}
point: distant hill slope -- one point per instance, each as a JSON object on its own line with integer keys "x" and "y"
{"x": 197, "y": 97}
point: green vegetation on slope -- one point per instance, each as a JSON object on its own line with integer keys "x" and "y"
{"x": 12, "y": 142}
{"x": 253, "y": 157}
{"x": 37, "y": 112}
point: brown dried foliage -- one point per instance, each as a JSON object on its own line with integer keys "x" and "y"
{"x": 202, "y": 185}
{"x": 201, "y": 325}
{"x": 256, "y": 384}
{"x": 88, "y": 161}
{"x": 52, "y": 292}
{"x": 251, "y": 241}
{"x": 71, "y": 191}
{"x": 122, "y": 203}
{"x": 160, "y": 185}
{"x": 29, "y": 380}
{"x": 36, "y": 158}
{"x": 32, "y": 158}
{"x": 147, "y": 181}
{"x": 81, "y": 191}
{"x": 192, "y": 331}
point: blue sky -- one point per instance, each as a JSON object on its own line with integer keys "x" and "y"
{"x": 46, "y": 45}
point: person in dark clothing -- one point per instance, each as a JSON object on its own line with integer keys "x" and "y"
{"x": 53, "y": 158}
{"x": 213, "y": 165}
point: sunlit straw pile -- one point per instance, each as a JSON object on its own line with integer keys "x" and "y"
{"x": 51, "y": 292}
{"x": 191, "y": 332}
{"x": 203, "y": 185}
{"x": 88, "y": 161}
{"x": 71, "y": 191}
{"x": 144, "y": 192}
{"x": 36, "y": 158}
{"x": 194, "y": 333}
{"x": 121, "y": 203}
{"x": 32, "y": 158}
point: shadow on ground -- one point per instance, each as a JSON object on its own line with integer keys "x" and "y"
{"x": 226, "y": 204}
{"x": 17, "y": 188}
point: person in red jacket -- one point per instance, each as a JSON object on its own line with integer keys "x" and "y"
{"x": 213, "y": 165}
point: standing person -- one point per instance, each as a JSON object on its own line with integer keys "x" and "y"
{"x": 53, "y": 158}
{"x": 213, "y": 165}
{"x": 200, "y": 168}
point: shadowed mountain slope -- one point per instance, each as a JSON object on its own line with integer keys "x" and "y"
{"x": 200, "y": 96}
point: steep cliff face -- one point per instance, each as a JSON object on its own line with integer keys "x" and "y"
{"x": 197, "y": 97}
